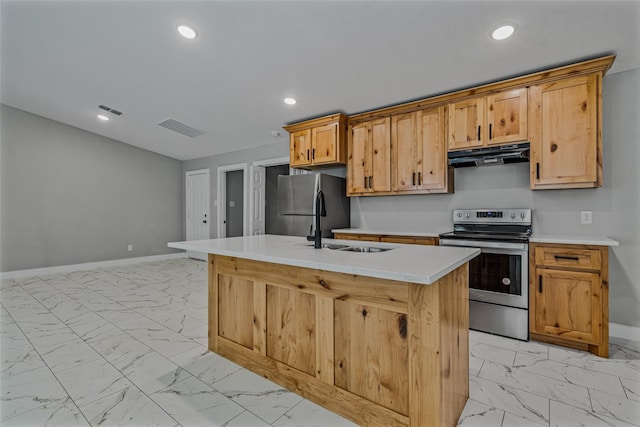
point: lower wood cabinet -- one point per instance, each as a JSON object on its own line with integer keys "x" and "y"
{"x": 377, "y": 351}
{"x": 410, "y": 240}
{"x": 569, "y": 296}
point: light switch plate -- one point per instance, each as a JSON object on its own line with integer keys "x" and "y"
{"x": 586, "y": 217}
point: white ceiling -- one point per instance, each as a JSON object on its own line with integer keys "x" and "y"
{"x": 61, "y": 59}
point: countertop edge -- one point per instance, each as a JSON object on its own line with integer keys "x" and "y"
{"x": 380, "y": 274}
{"x": 574, "y": 240}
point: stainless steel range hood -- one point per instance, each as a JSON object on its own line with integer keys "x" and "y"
{"x": 504, "y": 154}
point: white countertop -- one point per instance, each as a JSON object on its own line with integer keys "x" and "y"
{"x": 573, "y": 239}
{"x": 408, "y": 263}
{"x": 387, "y": 232}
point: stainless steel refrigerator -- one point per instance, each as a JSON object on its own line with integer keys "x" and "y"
{"x": 296, "y": 204}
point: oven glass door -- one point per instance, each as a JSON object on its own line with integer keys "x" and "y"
{"x": 500, "y": 274}
{"x": 494, "y": 272}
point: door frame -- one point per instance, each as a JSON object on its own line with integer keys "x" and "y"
{"x": 222, "y": 198}
{"x": 262, "y": 164}
{"x": 187, "y": 174}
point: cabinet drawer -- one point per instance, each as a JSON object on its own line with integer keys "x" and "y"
{"x": 587, "y": 259}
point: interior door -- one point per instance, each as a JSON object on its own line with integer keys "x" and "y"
{"x": 234, "y": 207}
{"x": 258, "y": 197}
{"x": 197, "y": 212}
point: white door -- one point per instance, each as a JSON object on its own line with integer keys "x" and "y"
{"x": 197, "y": 208}
{"x": 258, "y": 189}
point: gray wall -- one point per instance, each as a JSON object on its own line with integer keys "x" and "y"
{"x": 69, "y": 196}
{"x": 615, "y": 206}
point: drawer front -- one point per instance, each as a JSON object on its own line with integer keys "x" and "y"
{"x": 586, "y": 259}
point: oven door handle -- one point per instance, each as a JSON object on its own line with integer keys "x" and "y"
{"x": 484, "y": 244}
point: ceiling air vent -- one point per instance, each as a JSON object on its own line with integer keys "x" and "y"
{"x": 111, "y": 110}
{"x": 186, "y": 130}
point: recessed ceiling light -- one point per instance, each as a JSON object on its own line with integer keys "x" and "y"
{"x": 503, "y": 32}
{"x": 289, "y": 101}
{"x": 103, "y": 117}
{"x": 187, "y": 32}
{"x": 275, "y": 133}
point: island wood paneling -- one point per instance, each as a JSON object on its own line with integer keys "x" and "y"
{"x": 371, "y": 354}
{"x": 404, "y": 363}
{"x": 291, "y": 328}
{"x": 235, "y": 309}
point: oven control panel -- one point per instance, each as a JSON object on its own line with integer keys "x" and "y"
{"x": 492, "y": 216}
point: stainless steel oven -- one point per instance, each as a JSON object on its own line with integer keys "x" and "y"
{"x": 498, "y": 278}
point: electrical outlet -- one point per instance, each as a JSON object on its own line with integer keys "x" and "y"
{"x": 586, "y": 217}
{"x": 130, "y": 248}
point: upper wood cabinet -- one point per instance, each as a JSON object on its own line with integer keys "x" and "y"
{"x": 566, "y": 147}
{"x": 466, "y": 119}
{"x": 419, "y": 156}
{"x": 369, "y": 162}
{"x": 319, "y": 142}
{"x": 496, "y": 119}
{"x": 507, "y": 117}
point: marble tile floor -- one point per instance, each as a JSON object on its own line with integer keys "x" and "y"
{"x": 127, "y": 346}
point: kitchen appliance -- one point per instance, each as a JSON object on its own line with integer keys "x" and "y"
{"x": 503, "y": 154}
{"x": 296, "y": 204}
{"x": 499, "y": 277}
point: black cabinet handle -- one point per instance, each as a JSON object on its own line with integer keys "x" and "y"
{"x": 537, "y": 170}
{"x": 413, "y": 179}
{"x": 313, "y": 154}
{"x": 419, "y": 177}
{"x": 570, "y": 258}
{"x": 479, "y": 132}
{"x": 370, "y": 178}
{"x": 307, "y": 154}
{"x": 365, "y": 182}
{"x": 490, "y": 129}
{"x": 540, "y": 284}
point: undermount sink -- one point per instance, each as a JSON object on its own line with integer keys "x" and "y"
{"x": 365, "y": 249}
{"x": 360, "y": 249}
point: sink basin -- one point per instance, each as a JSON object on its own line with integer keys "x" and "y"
{"x": 334, "y": 246}
{"x": 346, "y": 248}
{"x": 365, "y": 249}
{"x": 330, "y": 246}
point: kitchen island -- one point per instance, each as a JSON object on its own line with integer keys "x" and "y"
{"x": 380, "y": 337}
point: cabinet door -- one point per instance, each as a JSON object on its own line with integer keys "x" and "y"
{"x": 465, "y": 124}
{"x": 291, "y": 328}
{"x": 359, "y": 159}
{"x": 300, "y": 148}
{"x": 507, "y": 117}
{"x": 431, "y": 154}
{"x": 362, "y": 363}
{"x": 380, "y": 155}
{"x": 404, "y": 151}
{"x": 564, "y": 133}
{"x": 235, "y": 310}
{"x": 568, "y": 304}
{"x": 324, "y": 144}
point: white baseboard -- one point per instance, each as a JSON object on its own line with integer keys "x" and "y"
{"x": 625, "y": 332}
{"x": 88, "y": 266}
